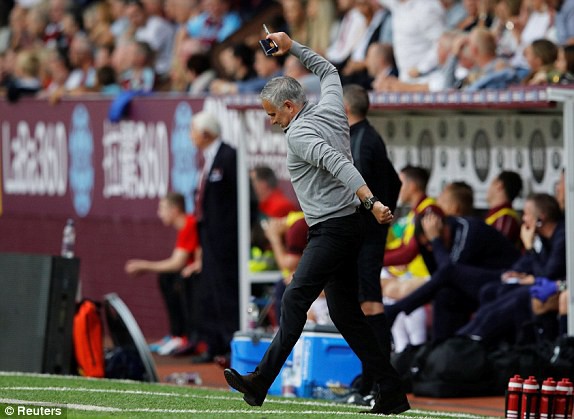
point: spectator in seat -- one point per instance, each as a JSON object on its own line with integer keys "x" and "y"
{"x": 180, "y": 12}
{"x": 417, "y": 27}
{"x": 541, "y": 56}
{"x": 482, "y": 47}
{"x": 53, "y": 31}
{"x": 107, "y": 83}
{"x": 293, "y": 68}
{"x": 237, "y": 62}
{"x": 321, "y": 16}
{"x": 199, "y": 74}
{"x": 380, "y": 64}
{"x": 455, "y": 13}
{"x": 295, "y": 17}
{"x": 214, "y": 24}
{"x": 537, "y": 23}
{"x": 26, "y": 80}
{"x": 506, "y": 27}
{"x": 348, "y": 32}
{"x": 440, "y": 78}
{"x": 152, "y": 29}
{"x": 97, "y": 21}
{"x": 140, "y": 76}
{"x": 58, "y": 69}
{"x": 83, "y": 76}
{"x": 120, "y": 21}
{"x": 355, "y": 71}
{"x": 266, "y": 67}
{"x": 564, "y": 20}
{"x": 477, "y": 15}
{"x": 19, "y": 35}
{"x": 36, "y": 22}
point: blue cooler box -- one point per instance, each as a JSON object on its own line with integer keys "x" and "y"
{"x": 320, "y": 357}
{"x": 247, "y": 349}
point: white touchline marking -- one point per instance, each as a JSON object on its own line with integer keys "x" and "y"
{"x": 429, "y": 414}
{"x": 84, "y": 407}
{"x": 229, "y": 396}
{"x": 226, "y": 391}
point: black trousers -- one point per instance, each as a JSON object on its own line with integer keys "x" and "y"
{"x": 502, "y": 317}
{"x": 456, "y": 290}
{"x": 173, "y": 291}
{"x": 468, "y": 280}
{"x": 370, "y": 259}
{"x": 329, "y": 262}
{"x": 219, "y": 294}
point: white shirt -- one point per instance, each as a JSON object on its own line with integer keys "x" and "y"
{"x": 26, "y": 4}
{"x": 201, "y": 84}
{"x": 159, "y": 34}
{"x": 360, "y": 50}
{"x": 417, "y": 27}
{"x": 78, "y": 78}
{"x": 350, "y": 31}
{"x": 209, "y": 154}
{"x": 537, "y": 26}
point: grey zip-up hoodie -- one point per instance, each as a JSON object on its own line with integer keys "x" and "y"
{"x": 318, "y": 148}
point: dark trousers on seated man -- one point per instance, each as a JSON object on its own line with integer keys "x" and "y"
{"x": 454, "y": 290}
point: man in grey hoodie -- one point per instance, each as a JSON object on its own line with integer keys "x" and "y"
{"x": 330, "y": 191}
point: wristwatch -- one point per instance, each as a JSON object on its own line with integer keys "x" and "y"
{"x": 369, "y": 202}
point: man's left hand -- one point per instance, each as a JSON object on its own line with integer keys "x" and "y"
{"x": 382, "y": 213}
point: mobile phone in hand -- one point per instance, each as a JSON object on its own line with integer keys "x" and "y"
{"x": 267, "y": 45}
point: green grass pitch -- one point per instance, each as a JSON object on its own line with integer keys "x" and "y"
{"x": 83, "y": 397}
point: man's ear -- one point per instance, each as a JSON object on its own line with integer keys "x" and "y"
{"x": 290, "y": 106}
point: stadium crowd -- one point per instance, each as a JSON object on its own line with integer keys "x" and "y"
{"x": 52, "y": 48}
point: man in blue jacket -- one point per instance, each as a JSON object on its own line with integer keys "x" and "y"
{"x": 462, "y": 254}
{"x": 506, "y": 306}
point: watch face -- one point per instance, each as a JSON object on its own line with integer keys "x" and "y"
{"x": 368, "y": 203}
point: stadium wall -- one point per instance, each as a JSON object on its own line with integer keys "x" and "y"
{"x": 69, "y": 160}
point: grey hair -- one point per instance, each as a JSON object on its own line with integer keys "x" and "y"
{"x": 206, "y": 122}
{"x": 280, "y": 89}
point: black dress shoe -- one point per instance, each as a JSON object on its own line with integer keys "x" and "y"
{"x": 390, "y": 403}
{"x": 254, "y": 391}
